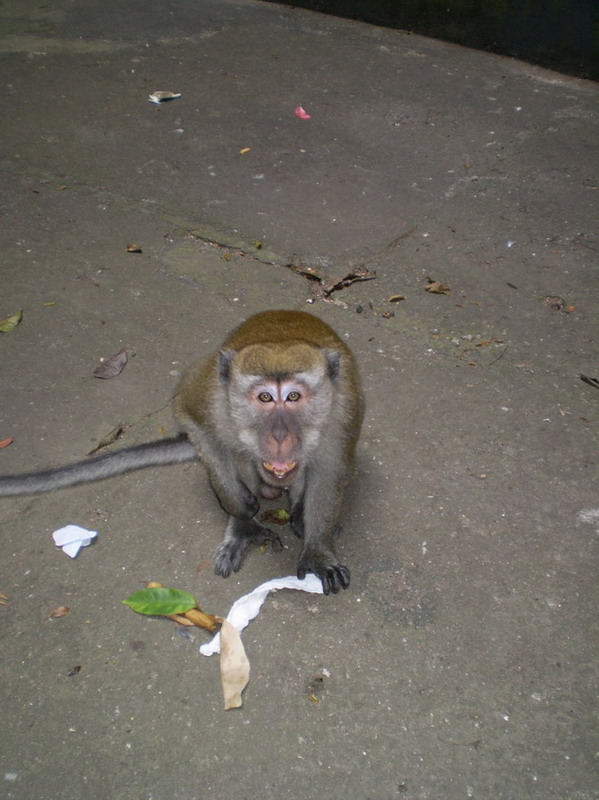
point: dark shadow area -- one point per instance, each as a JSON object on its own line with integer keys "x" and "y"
{"x": 558, "y": 34}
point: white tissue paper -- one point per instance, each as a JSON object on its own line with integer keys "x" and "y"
{"x": 72, "y": 538}
{"x": 247, "y": 607}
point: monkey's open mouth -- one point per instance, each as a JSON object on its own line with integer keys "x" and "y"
{"x": 280, "y": 469}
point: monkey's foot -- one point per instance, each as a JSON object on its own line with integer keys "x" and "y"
{"x": 333, "y": 575}
{"x": 239, "y": 537}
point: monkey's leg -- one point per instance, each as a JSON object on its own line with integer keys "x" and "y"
{"x": 240, "y": 534}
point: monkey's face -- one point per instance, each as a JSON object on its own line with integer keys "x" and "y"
{"x": 279, "y": 417}
{"x": 278, "y": 409}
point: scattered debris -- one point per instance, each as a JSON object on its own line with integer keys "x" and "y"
{"x": 396, "y": 298}
{"x": 111, "y": 367}
{"x": 182, "y": 607}
{"x": 10, "y": 323}
{"x": 323, "y": 287}
{"x": 163, "y": 97}
{"x": 556, "y": 303}
{"x": 6, "y": 442}
{"x": 244, "y": 150}
{"x": 434, "y": 287}
{"x": 133, "y": 248}
{"x": 3, "y": 599}
{"x": 301, "y": 113}
{"x": 74, "y": 671}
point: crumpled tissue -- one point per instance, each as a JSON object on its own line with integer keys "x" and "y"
{"x": 72, "y": 538}
{"x": 247, "y": 607}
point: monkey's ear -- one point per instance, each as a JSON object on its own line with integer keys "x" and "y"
{"x": 333, "y": 358}
{"x": 225, "y": 357}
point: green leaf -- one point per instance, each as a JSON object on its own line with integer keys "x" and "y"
{"x": 161, "y": 601}
{"x": 9, "y": 323}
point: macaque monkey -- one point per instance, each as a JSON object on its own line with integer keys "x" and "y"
{"x": 278, "y": 409}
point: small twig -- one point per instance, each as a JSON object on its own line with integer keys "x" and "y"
{"x": 501, "y": 355}
{"x": 591, "y": 381}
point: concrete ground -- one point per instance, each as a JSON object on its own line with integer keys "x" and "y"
{"x": 462, "y": 660}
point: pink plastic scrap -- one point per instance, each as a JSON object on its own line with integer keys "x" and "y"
{"x": 301, "y": 113}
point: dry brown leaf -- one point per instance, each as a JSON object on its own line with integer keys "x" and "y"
{"x": 180, "y": 620}
{"x": 198, "y": 617}
{"x": 396, "y": 298}
{"x": 234, "y": 666}
{"x": 111, "y": 367}
{"x": 134, "y": 248}
{"x": 434, "y": 287}
{"x": 6, "y": 442}
{"x": 58, "y": 612}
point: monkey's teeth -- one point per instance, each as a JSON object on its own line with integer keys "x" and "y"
{"x": 279, "y": 470}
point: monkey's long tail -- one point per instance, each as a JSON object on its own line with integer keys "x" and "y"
{"x": 161, "y": 452}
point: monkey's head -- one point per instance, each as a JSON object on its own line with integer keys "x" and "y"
{"x": 279, "y": 398}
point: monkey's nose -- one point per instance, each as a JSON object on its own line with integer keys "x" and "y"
{"x": 279, "y": 430}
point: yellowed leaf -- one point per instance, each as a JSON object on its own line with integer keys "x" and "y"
{"x": 234, "y": 666}
{"x": 9, "y": 323}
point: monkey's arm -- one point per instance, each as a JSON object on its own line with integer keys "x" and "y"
{"x": 161, "y": 452}
{"x": 314, "y": 518}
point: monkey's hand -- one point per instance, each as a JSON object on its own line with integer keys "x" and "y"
{"x": 324, "y": 565}
{"x": 239, "y": 536}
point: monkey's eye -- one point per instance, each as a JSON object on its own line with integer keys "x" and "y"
{"x": 265, "y": 397}
{"x": 293, "y": 397}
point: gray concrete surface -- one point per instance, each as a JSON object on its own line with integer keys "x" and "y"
{"x": 462, "y": 661}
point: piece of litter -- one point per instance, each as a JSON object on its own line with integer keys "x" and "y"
{"x": 301, "y": 113}
{"x": 234, "y": 666}
{"x": 247, "y": 607}
{"x": 72, "y": 538}
{"x": 163, "y": 97}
